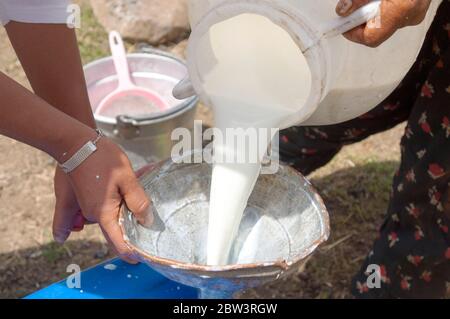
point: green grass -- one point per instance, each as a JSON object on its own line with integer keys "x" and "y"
{"x": 357, "y": 200}
{"x": 361, "y": 190}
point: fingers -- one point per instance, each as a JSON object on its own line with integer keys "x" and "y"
{"x": 137, "y": 201}
{"x": 394, "y": 15}
{"x": 379, "y": 29}
{"x": 376, "y": 31}
{"x": 369, "y": 34}
{"x": 79, "y": 222}
{"x": 113, "y": 234}
{"x": 68, "y": 216}
{"x": 345, "y": 8}
{"x": 65, "y": 221}
{"x": 145, "y": 169}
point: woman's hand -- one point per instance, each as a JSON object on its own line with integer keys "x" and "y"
{"x": 67, "y": 217}
{"x": 97, "y": 188}
{"x": 101, "y": 183}
{"x": 395, "y": 14}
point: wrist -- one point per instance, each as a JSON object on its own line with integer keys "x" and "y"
{"x": 70, "y": 141}
{"x": 83, "y": 153}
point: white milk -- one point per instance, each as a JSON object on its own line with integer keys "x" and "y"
{"x": 244, "y": 95}
{"x": 232, "y": 183}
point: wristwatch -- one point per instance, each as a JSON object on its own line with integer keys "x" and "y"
{"x": 82, "y": 154}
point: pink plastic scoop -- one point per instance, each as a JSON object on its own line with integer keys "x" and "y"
{"x": 127, "y": 99}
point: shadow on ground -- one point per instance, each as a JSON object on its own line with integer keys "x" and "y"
{"x": 356, "y": 198}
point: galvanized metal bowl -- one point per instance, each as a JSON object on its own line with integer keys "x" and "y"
{"x": 144, "y": 139}
{"x": 285, "y": 221}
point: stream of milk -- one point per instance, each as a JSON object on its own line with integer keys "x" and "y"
{"x": 252, "y": 83}
{"x": 233, "y": 182}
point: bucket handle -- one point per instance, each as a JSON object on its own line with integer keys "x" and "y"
{"x": 362, "y": 15}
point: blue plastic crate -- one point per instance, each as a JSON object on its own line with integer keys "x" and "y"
{"x": 116, "y": 279}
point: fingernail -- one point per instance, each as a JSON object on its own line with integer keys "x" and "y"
{"x": 78, "y": 221}
{"x": 148, "y": 218}
{"x": 61, "y": 237}
{"x": 77, "y": 229}
{"x": 130, "y": 260}
{"x": 344, "y": 6}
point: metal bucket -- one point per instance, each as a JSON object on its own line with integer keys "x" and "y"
{"x": 284, "y": 222}
{"x": 144, "y": 139}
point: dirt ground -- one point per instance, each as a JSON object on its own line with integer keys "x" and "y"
{"x": 355, "y": 187}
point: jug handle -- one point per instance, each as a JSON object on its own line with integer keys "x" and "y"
{"x": 362, "y": 15}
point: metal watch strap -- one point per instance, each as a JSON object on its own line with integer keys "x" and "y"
{"x": 81, "y": 155}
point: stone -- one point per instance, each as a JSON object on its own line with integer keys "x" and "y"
{"x": 180, "y": 49}
{"x": 154, "y": 21}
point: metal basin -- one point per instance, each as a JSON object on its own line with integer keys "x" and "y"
{"x": 285, "y": 221}
{"x": 144, "y": 139}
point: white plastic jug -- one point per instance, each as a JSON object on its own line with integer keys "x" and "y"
{"x": 291, "y": 53}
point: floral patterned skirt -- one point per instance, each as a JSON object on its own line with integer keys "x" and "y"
{"x": 412, "y": 251}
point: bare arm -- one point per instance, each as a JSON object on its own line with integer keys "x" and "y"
{"x": 29, "y": 119}
{"x": 50, "y": 57}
